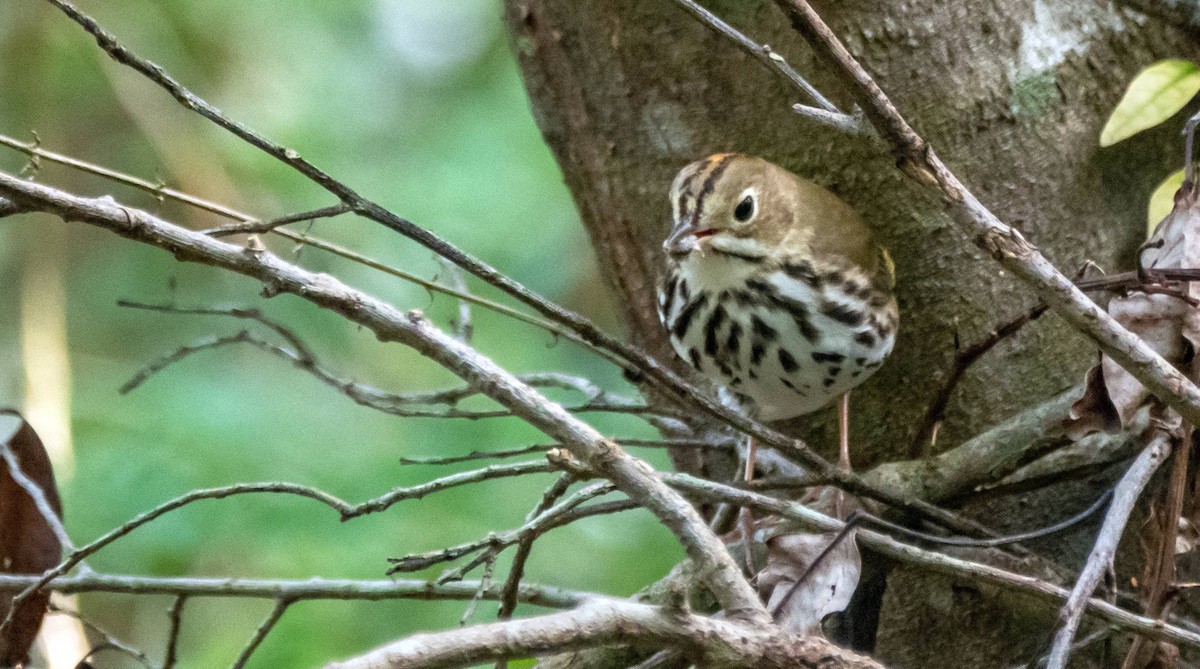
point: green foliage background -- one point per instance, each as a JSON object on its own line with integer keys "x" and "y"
{"x": 417, "y": 104}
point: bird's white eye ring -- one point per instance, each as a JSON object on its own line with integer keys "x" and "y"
{"x": 745, "y": 209}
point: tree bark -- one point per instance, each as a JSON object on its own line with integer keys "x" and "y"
{"x": 1011, "y": 93}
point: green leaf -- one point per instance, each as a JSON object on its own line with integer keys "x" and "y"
{"x": 1162, "y": 201}
{"x": 1154, "y": 96}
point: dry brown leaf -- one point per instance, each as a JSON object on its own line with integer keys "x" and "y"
{"x": 826, "y": 589}
{"x": 28, "y": 544}
{"x": 1169, "y": 324}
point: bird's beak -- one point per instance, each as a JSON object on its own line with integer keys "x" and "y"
{"x": 685, "y": 237}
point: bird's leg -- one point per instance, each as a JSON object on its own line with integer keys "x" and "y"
{"x": 747, "y": 518}
{"x": 843, "y": 447}
{"x": 844, "y": 432}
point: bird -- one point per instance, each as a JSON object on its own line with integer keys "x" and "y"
{"x": 774, "y": 289}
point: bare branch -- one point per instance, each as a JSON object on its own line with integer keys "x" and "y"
{"x": 917, "y": 159}
{"x": 646, "y": 366}
{"x": 264, "y": 628}
{"x": 926, "y": 437}
{"x": 270, "y": 226}
{"x": 296, "y": 590}
{"x": 508, "y": 595}
{"x": 563, "y": 513}
{"x": 36, "y": 494}
{"x": 936, "y": 562}
{"x": 985, "y": 458}
{"x": 542, "y": 448}
{"x": 631, "y": 475}
{"x": 764, "y": 54}
{"x": 109, "y": 641}
{"x": 405, "y": 405}
{"x": 346, "y": 510}
{"x": 712, "y": 643}
{"x": 175, "y": 622}
{"x": 162, "y": 191}
{"x": 1100, "y": 560}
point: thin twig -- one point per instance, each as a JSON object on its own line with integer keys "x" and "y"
{"x": 175, "y": 627}
{"x": 109, "y": 641}
{"x": 931, "y": 560}
{"x": 631, "y": 475}
{"x": 1099, "y": 635}
{"x": 1159, "y": 573}
{"x": 270, "y": 226}
{"x": 296, "y": 590}
{"x": 162, "y": 191}
{"x": 770, "y": 58}
{"x": 1127, "y": 492}
{"x": 562, "y": 513}
{"x": 37, "y": 496}
{"x": 345, "y": 509}
{"x": 542, "y": 448}
{"x": 645, "y": 365}
{"x": 260, "y": 633}
{"x": 603, "y": 622}
{"x": 923, "y": 444}
{"x": 916, "y": 159}
{"x": 397, "y": 404}
{"x": 508, "y": 596}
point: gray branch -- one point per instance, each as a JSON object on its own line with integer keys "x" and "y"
{"x": 632, "y": 476}
{"x": 296, "y": 590}
{"x": 717, "y": 644}
{"x": 931, "y": 560}
{"x": 1128, "y": 490}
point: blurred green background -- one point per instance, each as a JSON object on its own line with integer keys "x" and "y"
{"x": 416, "y": 104}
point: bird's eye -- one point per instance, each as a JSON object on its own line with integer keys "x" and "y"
{"x": 744, "y": 211}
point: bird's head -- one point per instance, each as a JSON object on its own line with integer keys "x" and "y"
{"x": 741, "y": 205}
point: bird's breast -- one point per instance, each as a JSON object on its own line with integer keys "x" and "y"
{"x": 790, "y": 336}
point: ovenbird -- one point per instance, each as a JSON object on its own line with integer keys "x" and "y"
{"x": 774, "y": 289}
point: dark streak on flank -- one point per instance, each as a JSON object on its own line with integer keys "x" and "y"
{"x": 694, "y": 356}
{"x": 865, "y": 338}
{"x": 787, "y": 362}
{"x": 843, "y": 314}
{"x": 757, "y": 351}
{"x": 744, "y": 298}
{"x": 668, "y": 295}
{"x": 715, "y": 321}
{"x": 680, "y": 327}
{"x": 802, "y": 271}
{"x": 733, "y": 343}
{"x": 797, "y": 309}
{"x": 818, "y": 356}
{"x": 762, "y": 330}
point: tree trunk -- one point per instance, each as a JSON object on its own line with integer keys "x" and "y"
{"x": 1011, "y": 93}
